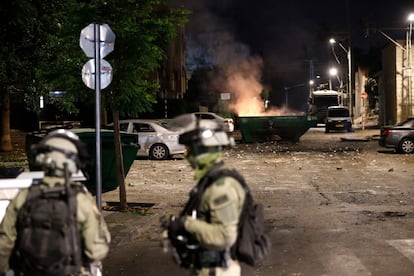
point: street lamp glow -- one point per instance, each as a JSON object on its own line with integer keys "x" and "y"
{"x": 411, "y": 17}
{"x": 332, "y": 41}
{"x": 333, "y": 71}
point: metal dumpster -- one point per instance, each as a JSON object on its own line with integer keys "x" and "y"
{"x": 270, "y": 128}
{"x": 87, "y": 135}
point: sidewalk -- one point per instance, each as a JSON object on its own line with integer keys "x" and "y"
{"x": 126, "y": 226}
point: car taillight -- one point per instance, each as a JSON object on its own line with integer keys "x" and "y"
{"x": 386, "y": 132}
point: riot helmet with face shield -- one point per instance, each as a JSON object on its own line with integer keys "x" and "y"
{"x": 204, "y": 140}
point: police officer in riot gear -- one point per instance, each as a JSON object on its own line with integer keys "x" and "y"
{"x": 61, "y": 154}
{"x": 213, "y": 222}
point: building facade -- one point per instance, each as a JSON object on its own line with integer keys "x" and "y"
{"x": 395, "y": 87}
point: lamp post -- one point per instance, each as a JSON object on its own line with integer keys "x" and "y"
{"x": 332, "y": 41}
{"x": 332, "y": 73}
{"x": 311, "y": 86}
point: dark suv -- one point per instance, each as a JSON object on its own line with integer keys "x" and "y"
{"x": 338, "y": 118}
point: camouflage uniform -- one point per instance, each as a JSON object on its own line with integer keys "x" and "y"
{"x": 94, "y": 231}
{"x": 221, "y": 203}
{"x": 218, "y": 212}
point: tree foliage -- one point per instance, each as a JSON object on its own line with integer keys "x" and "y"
{"x": 40, "y": 49}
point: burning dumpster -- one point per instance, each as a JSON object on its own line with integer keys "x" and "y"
{"x": 270, "y": 128}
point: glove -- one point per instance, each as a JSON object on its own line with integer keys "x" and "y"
{"x": 177, "y": 225}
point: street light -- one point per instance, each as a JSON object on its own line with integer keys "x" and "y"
{"x": 332, "y": 73}
{"x": 332, "y": 41}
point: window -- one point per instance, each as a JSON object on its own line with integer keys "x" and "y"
{"x": 123, "y": 127}
{"x": 142, "y": 128}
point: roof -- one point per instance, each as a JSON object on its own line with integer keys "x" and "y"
{"x": 325, "y": 92}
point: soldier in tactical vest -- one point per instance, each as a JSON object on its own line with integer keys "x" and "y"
{"x": 206, "y": 229}
{"x": 84, "y": 240}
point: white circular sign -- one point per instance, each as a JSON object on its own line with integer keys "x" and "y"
{"x": 88, "y": 73}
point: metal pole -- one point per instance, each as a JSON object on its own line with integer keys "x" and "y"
{"x": 98, "y": 115}
{"x": 311, "y": 73}
{"x": 410, "y": 70}
{"x": 286, "y": 98}
{"x": 349, "y": 57}
{"x": 349, "y": 81}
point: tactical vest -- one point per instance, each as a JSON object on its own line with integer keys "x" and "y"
{"x": 48, "y": 242}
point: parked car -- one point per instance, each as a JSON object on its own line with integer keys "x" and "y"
{"x": 338, "y": 119}
{"x": 226, "y": 123}
{"x": 155, "y": 138}
{"x": 399, "y": 136}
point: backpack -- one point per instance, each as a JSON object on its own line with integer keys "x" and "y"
{"x": 253, "y": 243}
{"x": 47, "y": 240}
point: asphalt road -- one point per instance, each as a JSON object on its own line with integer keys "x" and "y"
{"x": 335, "y": 204}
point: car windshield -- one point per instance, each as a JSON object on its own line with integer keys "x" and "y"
{"x": 340, "y": 112}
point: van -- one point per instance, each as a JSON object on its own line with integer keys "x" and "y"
{"x": 338, "y": 119}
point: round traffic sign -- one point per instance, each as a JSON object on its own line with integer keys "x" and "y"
{"x": 88, "y": 73}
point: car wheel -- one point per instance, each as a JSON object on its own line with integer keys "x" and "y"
{"x": 158, "y": 152}
{"x": 406, "y": 145}
{"x": 326, "y": 130}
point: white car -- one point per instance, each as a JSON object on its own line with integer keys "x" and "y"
{"x": 155, "y": 139}
{"x": 226, "y": 123}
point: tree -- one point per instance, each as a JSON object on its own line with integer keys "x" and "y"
{"x": 16, "y": 31}
{"x": 33, "y": 43}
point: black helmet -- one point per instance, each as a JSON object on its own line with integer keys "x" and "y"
{"x": 57, "y": 148}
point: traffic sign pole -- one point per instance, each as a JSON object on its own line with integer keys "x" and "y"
{"x": 96, "y": 42}
{"x": 98, "y": 115}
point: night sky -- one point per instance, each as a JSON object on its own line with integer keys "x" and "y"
{"x": 290, "y": 37}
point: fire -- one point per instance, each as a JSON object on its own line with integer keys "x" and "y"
{"x": 246, "y": 95}
{"x": 243, "y": 82}
{"x": 242, "y": 79}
